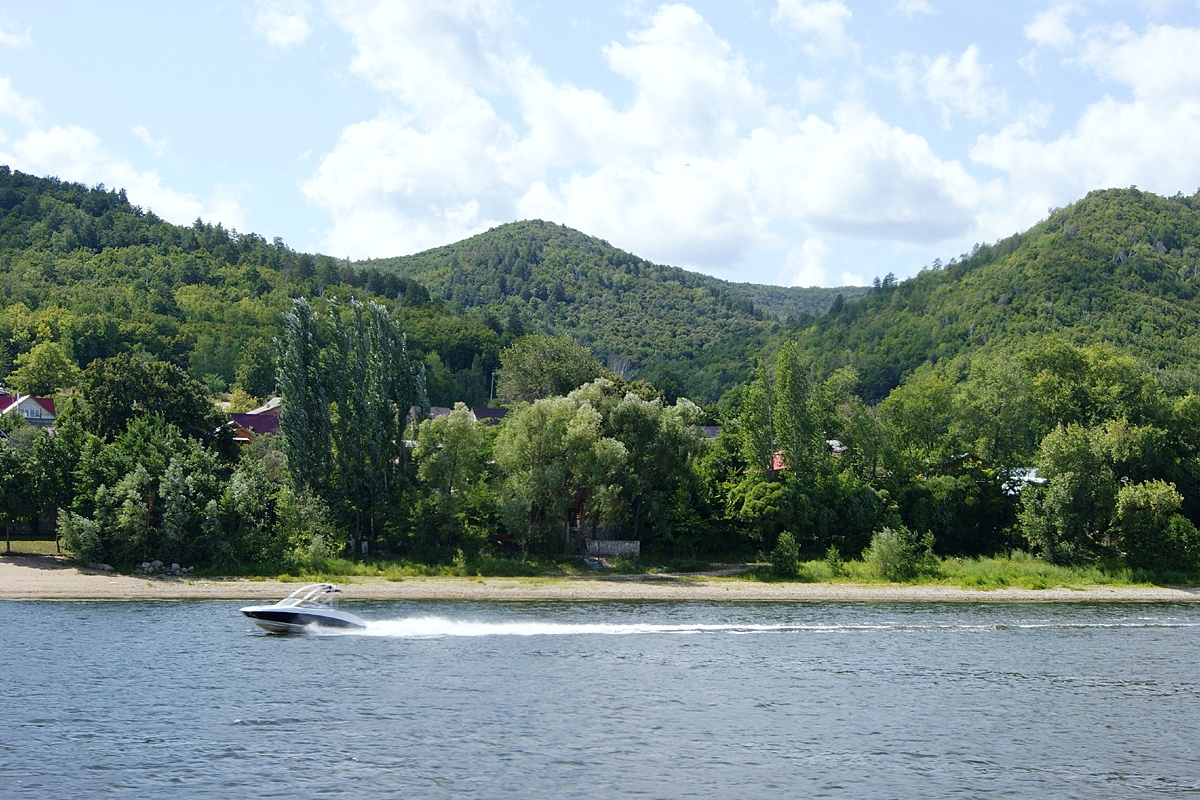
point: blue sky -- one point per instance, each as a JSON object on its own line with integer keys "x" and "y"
{"x": 801, "y": 142}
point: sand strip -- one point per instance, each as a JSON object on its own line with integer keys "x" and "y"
{"x": 49, "y": 578}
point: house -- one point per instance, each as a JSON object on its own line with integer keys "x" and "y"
{"x": 271, "y": 407}
{"x": 37, "y": 411}
{"x": 249, "y": 426}
{"x": 489, "y": 416}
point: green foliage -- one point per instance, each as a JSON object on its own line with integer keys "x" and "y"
{"x": 347, "y": 390}
{"x": 679, "y": 329}
{"x": 785, "y": 558}
{"x": 1153, "y": 535}
{"x": 43, "y": 371}
{"x": 115, "y": 392}
{"x": 256, "y": 369}
{"x": 834, "y": 561}
{"x": 1118, "y": 267}
{"x": 149, "y": 494}
{"x": 544, "y": 366}
{"x": 898, "y": 554}
{"x": 551, "y": 453}
{"x": 451, "y": 455}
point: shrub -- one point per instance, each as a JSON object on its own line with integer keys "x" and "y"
{"x": 898, "y": 554}
{"x": 785, "y": 558}
{"x": 834, "y": 560}
{"x": 1151, "y": 532}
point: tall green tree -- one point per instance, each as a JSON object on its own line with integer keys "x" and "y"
{"x": 115, "y": 391}
{"x": 256, "y": 368}
{"x": 304, "y": 412}
{"x": 44, "y": 370}
{"x": 551, "y": 453}
{"x": 544, "y": 366}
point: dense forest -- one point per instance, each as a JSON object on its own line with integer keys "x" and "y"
{"x": 688, "y": 333}
{"x": 1037, "y": 394}
{"x": 1120, "y": 267}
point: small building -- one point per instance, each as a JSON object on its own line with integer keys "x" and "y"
{"x": 271, "y": 407}
{"x": 489, "y": 416}
{"x": 37, "y": 411}
{"x": 249, "y": 426}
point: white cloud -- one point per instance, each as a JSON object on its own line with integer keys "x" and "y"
{"x": 10, "y": 39}
{"x": 1049, "y": 27}
{"x": 692, "y": 170}
{"x": 157, "y": 146}
{"x": 911, "y": 8}
{"x": 7, "y": 38}
{"x": 283, "y": 23}
{"x": 13, "y": 104}
{"x": 956, "y": 86}
{"x": 1147, "y": 139}
{"x": 824, "y": 19}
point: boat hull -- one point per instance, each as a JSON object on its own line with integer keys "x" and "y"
{"x": 295, "y": 620}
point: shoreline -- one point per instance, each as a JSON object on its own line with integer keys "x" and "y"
{"x": 49, "y": 578}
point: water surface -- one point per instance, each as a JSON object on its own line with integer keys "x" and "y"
{"x": 150, "y": 699}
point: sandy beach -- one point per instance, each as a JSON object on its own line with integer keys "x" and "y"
{"x": 50, "y": 578}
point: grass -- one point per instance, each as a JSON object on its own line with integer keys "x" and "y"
{"x": 40, "y": 547}
{"x": 1018, "y": 570}
{"x": 339, "y": 569}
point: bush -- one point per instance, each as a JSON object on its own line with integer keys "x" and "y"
{"x": 834, "y": 560}
{"x": 785, "y": 558}
{"x": 1151, "y": 532}
{"x": 898, "y": 554}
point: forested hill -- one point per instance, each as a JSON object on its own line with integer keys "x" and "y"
{"x": 86, "y": 275}
{"x": 1120, "y": 267}
{"x": 671, "y": 325}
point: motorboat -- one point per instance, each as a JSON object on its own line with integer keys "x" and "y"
{"x": 306, "y": 610}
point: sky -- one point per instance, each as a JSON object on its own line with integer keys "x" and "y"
{"x": 790, "y": 142}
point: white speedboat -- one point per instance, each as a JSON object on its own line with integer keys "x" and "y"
{"x": 306, "y": 610}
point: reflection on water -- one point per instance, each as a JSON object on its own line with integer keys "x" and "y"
{"x": 598, "y": 700}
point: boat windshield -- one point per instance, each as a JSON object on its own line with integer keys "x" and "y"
{"x": 314, "y": 594}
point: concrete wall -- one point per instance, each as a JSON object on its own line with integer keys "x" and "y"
{"x": 613, "y": 547}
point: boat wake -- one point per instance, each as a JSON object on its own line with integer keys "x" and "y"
{"x": 431, "y": 627}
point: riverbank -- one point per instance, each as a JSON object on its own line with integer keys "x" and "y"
{"x": 50, "y": 578}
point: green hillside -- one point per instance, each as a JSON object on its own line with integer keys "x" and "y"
{"x": 84, "y": 270}
{"x": 692, "y": 333}
{"x": 1120, "y": 267}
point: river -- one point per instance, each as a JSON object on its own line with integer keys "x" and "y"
{"x": 526, "y": 700}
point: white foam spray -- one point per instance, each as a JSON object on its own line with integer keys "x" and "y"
{"x": 429, "y": 627}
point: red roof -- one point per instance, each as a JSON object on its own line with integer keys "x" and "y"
{"x": 7, "y": 400}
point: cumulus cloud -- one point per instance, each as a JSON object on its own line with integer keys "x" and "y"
{"x": 955, "y": 85}
{"x": 10, "y": 39}
{"x": 825, "y": 20}
{"x": 911, "y": 8}
{"x": 157, "y": 146}
{"x": 15, "y": 105}
{"x": 76, "y": 153}
{"x": 1050, "y": 27}
{"x": 1144, "y": 139}
{"x": 692, "y": 170}
{"x": 283, "y": 23}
